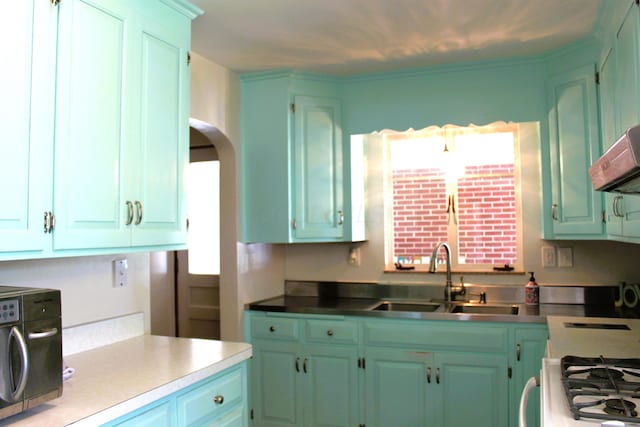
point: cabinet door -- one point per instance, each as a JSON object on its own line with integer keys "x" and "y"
{"x": 574, "y": 146}
{"x": 162, "y": 415}
{"x": 626, "y": 101}
{"x": 472, "y": 390}
{"x": 27, "y": 28}
{"x": 162, "y": 154}
{"x": 332, "y": 397}
{"x": 276, "y": 376}
{"x": 395, "y": 388}
{"x": 530, "y": 347}
{"x": 318, "y": 198}
{"x": 609, "y": 132}
{"x": 93, "y": 124}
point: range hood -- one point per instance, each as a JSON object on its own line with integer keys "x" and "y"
{"x": 618, "y": 170}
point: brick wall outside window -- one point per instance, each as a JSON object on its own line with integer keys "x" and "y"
{"x": 485, "y": 208}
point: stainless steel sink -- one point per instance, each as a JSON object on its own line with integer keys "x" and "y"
{"x": 421, "y": 307}
{"x": 485, "y": 309}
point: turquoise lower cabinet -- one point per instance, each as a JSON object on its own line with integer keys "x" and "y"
{"x": 306, "y": 374}
{"x": 162, "y": 415}
{"x": 432, "y": 373}
{"x": 220, "y": 401}
{"x": 470, "y": 390}
{"x": 317, "y": 370}
{"x": 396, "y": 388}
{"x": 526, "y": 358}
{"x": 331, "y": 395}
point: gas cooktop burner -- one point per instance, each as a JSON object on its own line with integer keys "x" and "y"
{"x": 605, "y": 373}
{"x": 620, "y": 407}
{"x": 602, "y": 388}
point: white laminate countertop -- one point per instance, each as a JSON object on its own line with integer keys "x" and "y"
{"x": 593, "y": 341}
{"x": 116, "y": 379}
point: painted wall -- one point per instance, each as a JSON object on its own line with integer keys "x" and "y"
{"x": 248, "y": 272}
{"x": 86, "y": 285}
{"x": 480, "y": 94}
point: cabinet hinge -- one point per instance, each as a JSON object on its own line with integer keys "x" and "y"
{"x": 188, "y": 58}
{"x": 597, "y": 77}
{"x": 294, "y": 224}
{"x": 509, "y": 372}
{"x": 251, "y": 414}
{"x": 187, "y": 220}
{"x": 54, "y": 2}
{"x": 604, "y": 217}
{"x": 49, "y": 222}
{"x": 292, "y": 107}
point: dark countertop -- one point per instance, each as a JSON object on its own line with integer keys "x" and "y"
{"x": 365, "y": 307}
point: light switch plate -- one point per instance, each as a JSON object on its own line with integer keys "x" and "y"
{"x": 549, "y": 256}
{"x": 120, "y": 278}
{"x": 565, "y": 257}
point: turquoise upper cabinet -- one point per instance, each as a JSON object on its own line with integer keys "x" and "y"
{"x": 622, "y": 97}
{"x": 292, "y": 160}
{"x": 576, "y": 210}
{"x": 317, "y": 163}
{"x": 121, "y": 131}
{"x": 28, "y": 28}
{"x": 94, "y": 122}
{"x": 162, "y": 153}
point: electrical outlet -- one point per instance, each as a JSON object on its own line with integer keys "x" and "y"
{"x": 120, "y": 278}
{"x": 354, "y": 257}
{"x": 549, "y": 256}
{"x": 565, "y": 257}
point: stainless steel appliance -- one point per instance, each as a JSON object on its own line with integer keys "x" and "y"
{"x": 30, "y": 348}
{"x": 618, "y": 170}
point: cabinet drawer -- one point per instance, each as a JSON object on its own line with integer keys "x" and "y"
{"x": 332, "y": 331}
{"x": 210, "y": 399}
{"x": 432, "y": 335}
{"x": 275, "y": 328}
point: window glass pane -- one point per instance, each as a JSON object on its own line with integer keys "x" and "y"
{"x": 487, "y": 200}
{"x": 419, "y": 198}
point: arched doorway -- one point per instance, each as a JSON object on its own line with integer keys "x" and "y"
{"x": 189, "y": 305}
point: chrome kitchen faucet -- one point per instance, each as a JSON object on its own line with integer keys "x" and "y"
{"x": 450, "y": 291}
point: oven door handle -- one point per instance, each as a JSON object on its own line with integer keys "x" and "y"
{"x": 42, "y": 334}
{"x": 22, "y": 383}
{"x": 530, "y": 385}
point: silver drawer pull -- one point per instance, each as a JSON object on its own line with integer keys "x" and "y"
{"x": 272, "y": 328}
{"x": 218, "y": 400}
{"x": 330, "y": 332}
{"x": 42, "y": 334}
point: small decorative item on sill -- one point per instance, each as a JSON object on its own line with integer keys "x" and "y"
{"x": 399, "y": 266}
{"x": 505, "y": 267}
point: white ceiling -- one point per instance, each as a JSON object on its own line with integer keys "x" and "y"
{"x": 346, "y": 37}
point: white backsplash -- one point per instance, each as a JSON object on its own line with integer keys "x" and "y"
{"x": 76, "y": 339}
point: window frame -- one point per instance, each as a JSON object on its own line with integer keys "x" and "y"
{"x": 388, "y": 137}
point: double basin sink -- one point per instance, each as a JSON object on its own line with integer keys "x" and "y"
{"x": 454, "y": 307}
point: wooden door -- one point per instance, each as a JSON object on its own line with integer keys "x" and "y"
{"x": 198, "y": 299}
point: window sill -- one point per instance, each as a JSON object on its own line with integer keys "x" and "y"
{"x": 454, "y": 272}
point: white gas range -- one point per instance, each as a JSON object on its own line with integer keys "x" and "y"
{"x": 590, "y": 364}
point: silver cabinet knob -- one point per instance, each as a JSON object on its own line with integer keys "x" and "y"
{"x": 218, "y": 400}
{"x": 330, "y": 332}
{"x": 272, "y": 328}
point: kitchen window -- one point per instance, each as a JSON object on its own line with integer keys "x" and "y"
{"x": 459, "y": 185}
